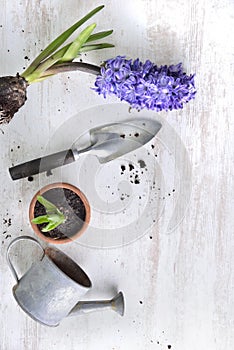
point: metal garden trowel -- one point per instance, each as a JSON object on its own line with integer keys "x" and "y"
{"x": 106, "y": 142}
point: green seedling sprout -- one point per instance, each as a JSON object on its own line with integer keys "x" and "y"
{"x": 53, "y": 216}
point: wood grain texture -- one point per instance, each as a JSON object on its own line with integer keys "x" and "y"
{"x": 179, "y": 287}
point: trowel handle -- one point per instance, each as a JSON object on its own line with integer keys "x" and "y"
{"x": 21, "y": 238}
{"x": 40, "y": 165}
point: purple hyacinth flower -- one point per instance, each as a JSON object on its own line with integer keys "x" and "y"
{"x": 145, "y": 85}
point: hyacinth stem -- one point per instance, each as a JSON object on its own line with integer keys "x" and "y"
{"x": 73, "y": 66}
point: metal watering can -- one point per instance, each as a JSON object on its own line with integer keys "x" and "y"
{"x": 51, "y": 289}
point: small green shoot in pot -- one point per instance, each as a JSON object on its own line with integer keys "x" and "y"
{"x": 53, "y": 216}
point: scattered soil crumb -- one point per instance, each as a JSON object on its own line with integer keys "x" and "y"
{"x": 142, "y": 163}
{"x": 137, "y": 180}
{"x": 7, "y": 221}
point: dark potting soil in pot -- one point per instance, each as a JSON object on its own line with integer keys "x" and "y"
{"x": 72, "y": 207}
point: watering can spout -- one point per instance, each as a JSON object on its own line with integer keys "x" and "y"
{"x": 118, "y": 303}
{"x": 83, "y": 307}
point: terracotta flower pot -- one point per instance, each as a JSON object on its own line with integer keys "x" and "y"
{"x": 77, "y": 225}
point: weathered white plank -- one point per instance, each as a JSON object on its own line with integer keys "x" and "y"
{"x": 184, "y": 280}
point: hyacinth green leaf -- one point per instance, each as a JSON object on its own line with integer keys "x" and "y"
{"x": 40, "y": 219}
{"x": 87, "y": 48}
{"x": 54, "y": 216}
{"x": 93, "y": 37}
{"x": 50, "y": 226}
{"x": 54, "y": 221}
{"x": 54, "y": 45}
{"x": 57, "y": 57}
{"x": 99, "y": 35}
{"x": 38, "y": 80}
{"x": 75, "y": 47}
{"x": 50, "y": 207}
{"x": 36, "y": 75}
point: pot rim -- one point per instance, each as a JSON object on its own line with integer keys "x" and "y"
{"x": 69, "y": 187}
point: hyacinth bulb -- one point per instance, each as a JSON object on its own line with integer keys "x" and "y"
{"x": 145, "y": 85}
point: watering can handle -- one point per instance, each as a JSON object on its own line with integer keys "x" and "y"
{"x": 21, "y": 238}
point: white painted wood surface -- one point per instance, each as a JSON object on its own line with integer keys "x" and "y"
{"x": 179, "y": 287}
